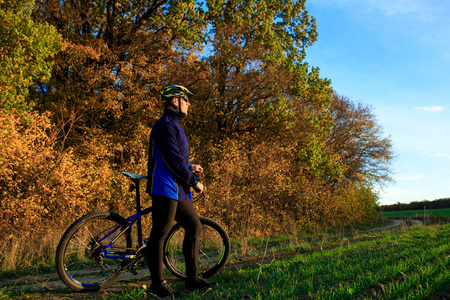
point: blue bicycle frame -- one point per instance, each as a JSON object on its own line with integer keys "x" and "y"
{"x": 136, "y": 218}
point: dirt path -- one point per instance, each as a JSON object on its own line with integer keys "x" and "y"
{"x": 49, "y": 286}
{"x": 397, "y": 223}
{"x": 416, "y": 222}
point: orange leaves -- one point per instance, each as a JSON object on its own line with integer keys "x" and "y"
{"x": 256, "y": 186}
{"x": 41, "y": 187}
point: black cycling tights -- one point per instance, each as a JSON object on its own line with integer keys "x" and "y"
{"x": 165, "y": 211}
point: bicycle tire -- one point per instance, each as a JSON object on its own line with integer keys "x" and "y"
{"x": 213, "y": 253}
{"x": 79, "y": 262}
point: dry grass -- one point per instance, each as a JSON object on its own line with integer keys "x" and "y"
{"x": 28, "y": 252}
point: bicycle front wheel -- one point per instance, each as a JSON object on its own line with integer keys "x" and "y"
{"x": 214, "y": 248}
{"x": 80, "y": 256}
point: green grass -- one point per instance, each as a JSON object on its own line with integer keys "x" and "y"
{"x": 444, "y": 212}
{"x": 410, "y": 263}
{"x": 393, "y": 266}
{"x": 405, "y": 263}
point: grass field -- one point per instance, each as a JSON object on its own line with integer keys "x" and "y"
{"x": 444, "y": 212}
{"x": 404, "y": 263}
{"x": 411, "y": 263}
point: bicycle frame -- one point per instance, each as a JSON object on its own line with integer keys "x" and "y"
{"x": 136, "y": 218}
{"x": 98, "y": 247}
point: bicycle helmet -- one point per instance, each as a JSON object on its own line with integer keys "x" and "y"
{"x": 174, "y": 90}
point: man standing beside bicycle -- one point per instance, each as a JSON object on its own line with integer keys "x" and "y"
{"x": 170, "y": 177}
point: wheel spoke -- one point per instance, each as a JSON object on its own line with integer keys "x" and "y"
{"x": 80, "y": 260}
{"x": 213, "y": 249}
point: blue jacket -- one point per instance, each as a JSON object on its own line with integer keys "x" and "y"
{"x": 168, "y": 163}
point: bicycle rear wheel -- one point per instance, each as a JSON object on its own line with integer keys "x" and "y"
{"x": 214, "y": 248}
{"x": 80, "y": 259}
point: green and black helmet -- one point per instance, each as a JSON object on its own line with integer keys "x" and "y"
{"x": 174, "y": 90}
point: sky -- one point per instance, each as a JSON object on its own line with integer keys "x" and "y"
{"x": 394, "y": 56}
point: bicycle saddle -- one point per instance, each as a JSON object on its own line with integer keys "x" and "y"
{"x": 134, "y": 176}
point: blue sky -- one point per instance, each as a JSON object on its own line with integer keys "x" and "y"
{"x": 394, "y": 55}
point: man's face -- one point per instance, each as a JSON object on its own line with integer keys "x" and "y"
{"x": 184, "y": 104}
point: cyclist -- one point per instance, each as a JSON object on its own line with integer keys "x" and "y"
{"x": 170, "y": 177}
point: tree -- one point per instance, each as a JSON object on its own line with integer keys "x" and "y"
{"x": 263, "y": 115}
{"x": 25, "y": 46}
{"x": 119, "y": 54}
{"x": 256, "y": 48}
{"x": 357, "y": 142}
{"x": 258, "y": 82}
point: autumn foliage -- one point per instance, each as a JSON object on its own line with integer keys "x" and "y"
{"x": 282, "y": 152}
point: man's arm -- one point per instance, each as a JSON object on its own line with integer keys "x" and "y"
{"x": 166, "y": 140}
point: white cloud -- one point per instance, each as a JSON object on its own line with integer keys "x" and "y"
{"x": 432, "y": 109}
{"x": 441, "y": 155}
{"x": 409, "y": 177}
{"x": 398, "y": 7}
{"x": 420, "y": 9}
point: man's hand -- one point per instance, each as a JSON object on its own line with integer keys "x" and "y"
{"x": 199, "y": 188}
{"x": 197, "y": 169}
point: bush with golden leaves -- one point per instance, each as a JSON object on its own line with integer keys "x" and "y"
{"x": 42, "y": 187}
{"x": 257, "y": 188}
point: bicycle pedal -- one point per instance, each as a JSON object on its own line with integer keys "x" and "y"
{"x": 133, "y": 271}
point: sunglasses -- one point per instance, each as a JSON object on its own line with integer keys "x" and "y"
{"x": 185, "y": 98}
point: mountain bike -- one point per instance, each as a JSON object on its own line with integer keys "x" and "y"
{"x": 98, "y": 247}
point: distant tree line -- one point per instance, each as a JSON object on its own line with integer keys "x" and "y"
{"x": 417, "y": 205}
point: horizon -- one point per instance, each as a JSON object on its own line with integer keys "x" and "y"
{"x": 447, "y": 198}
